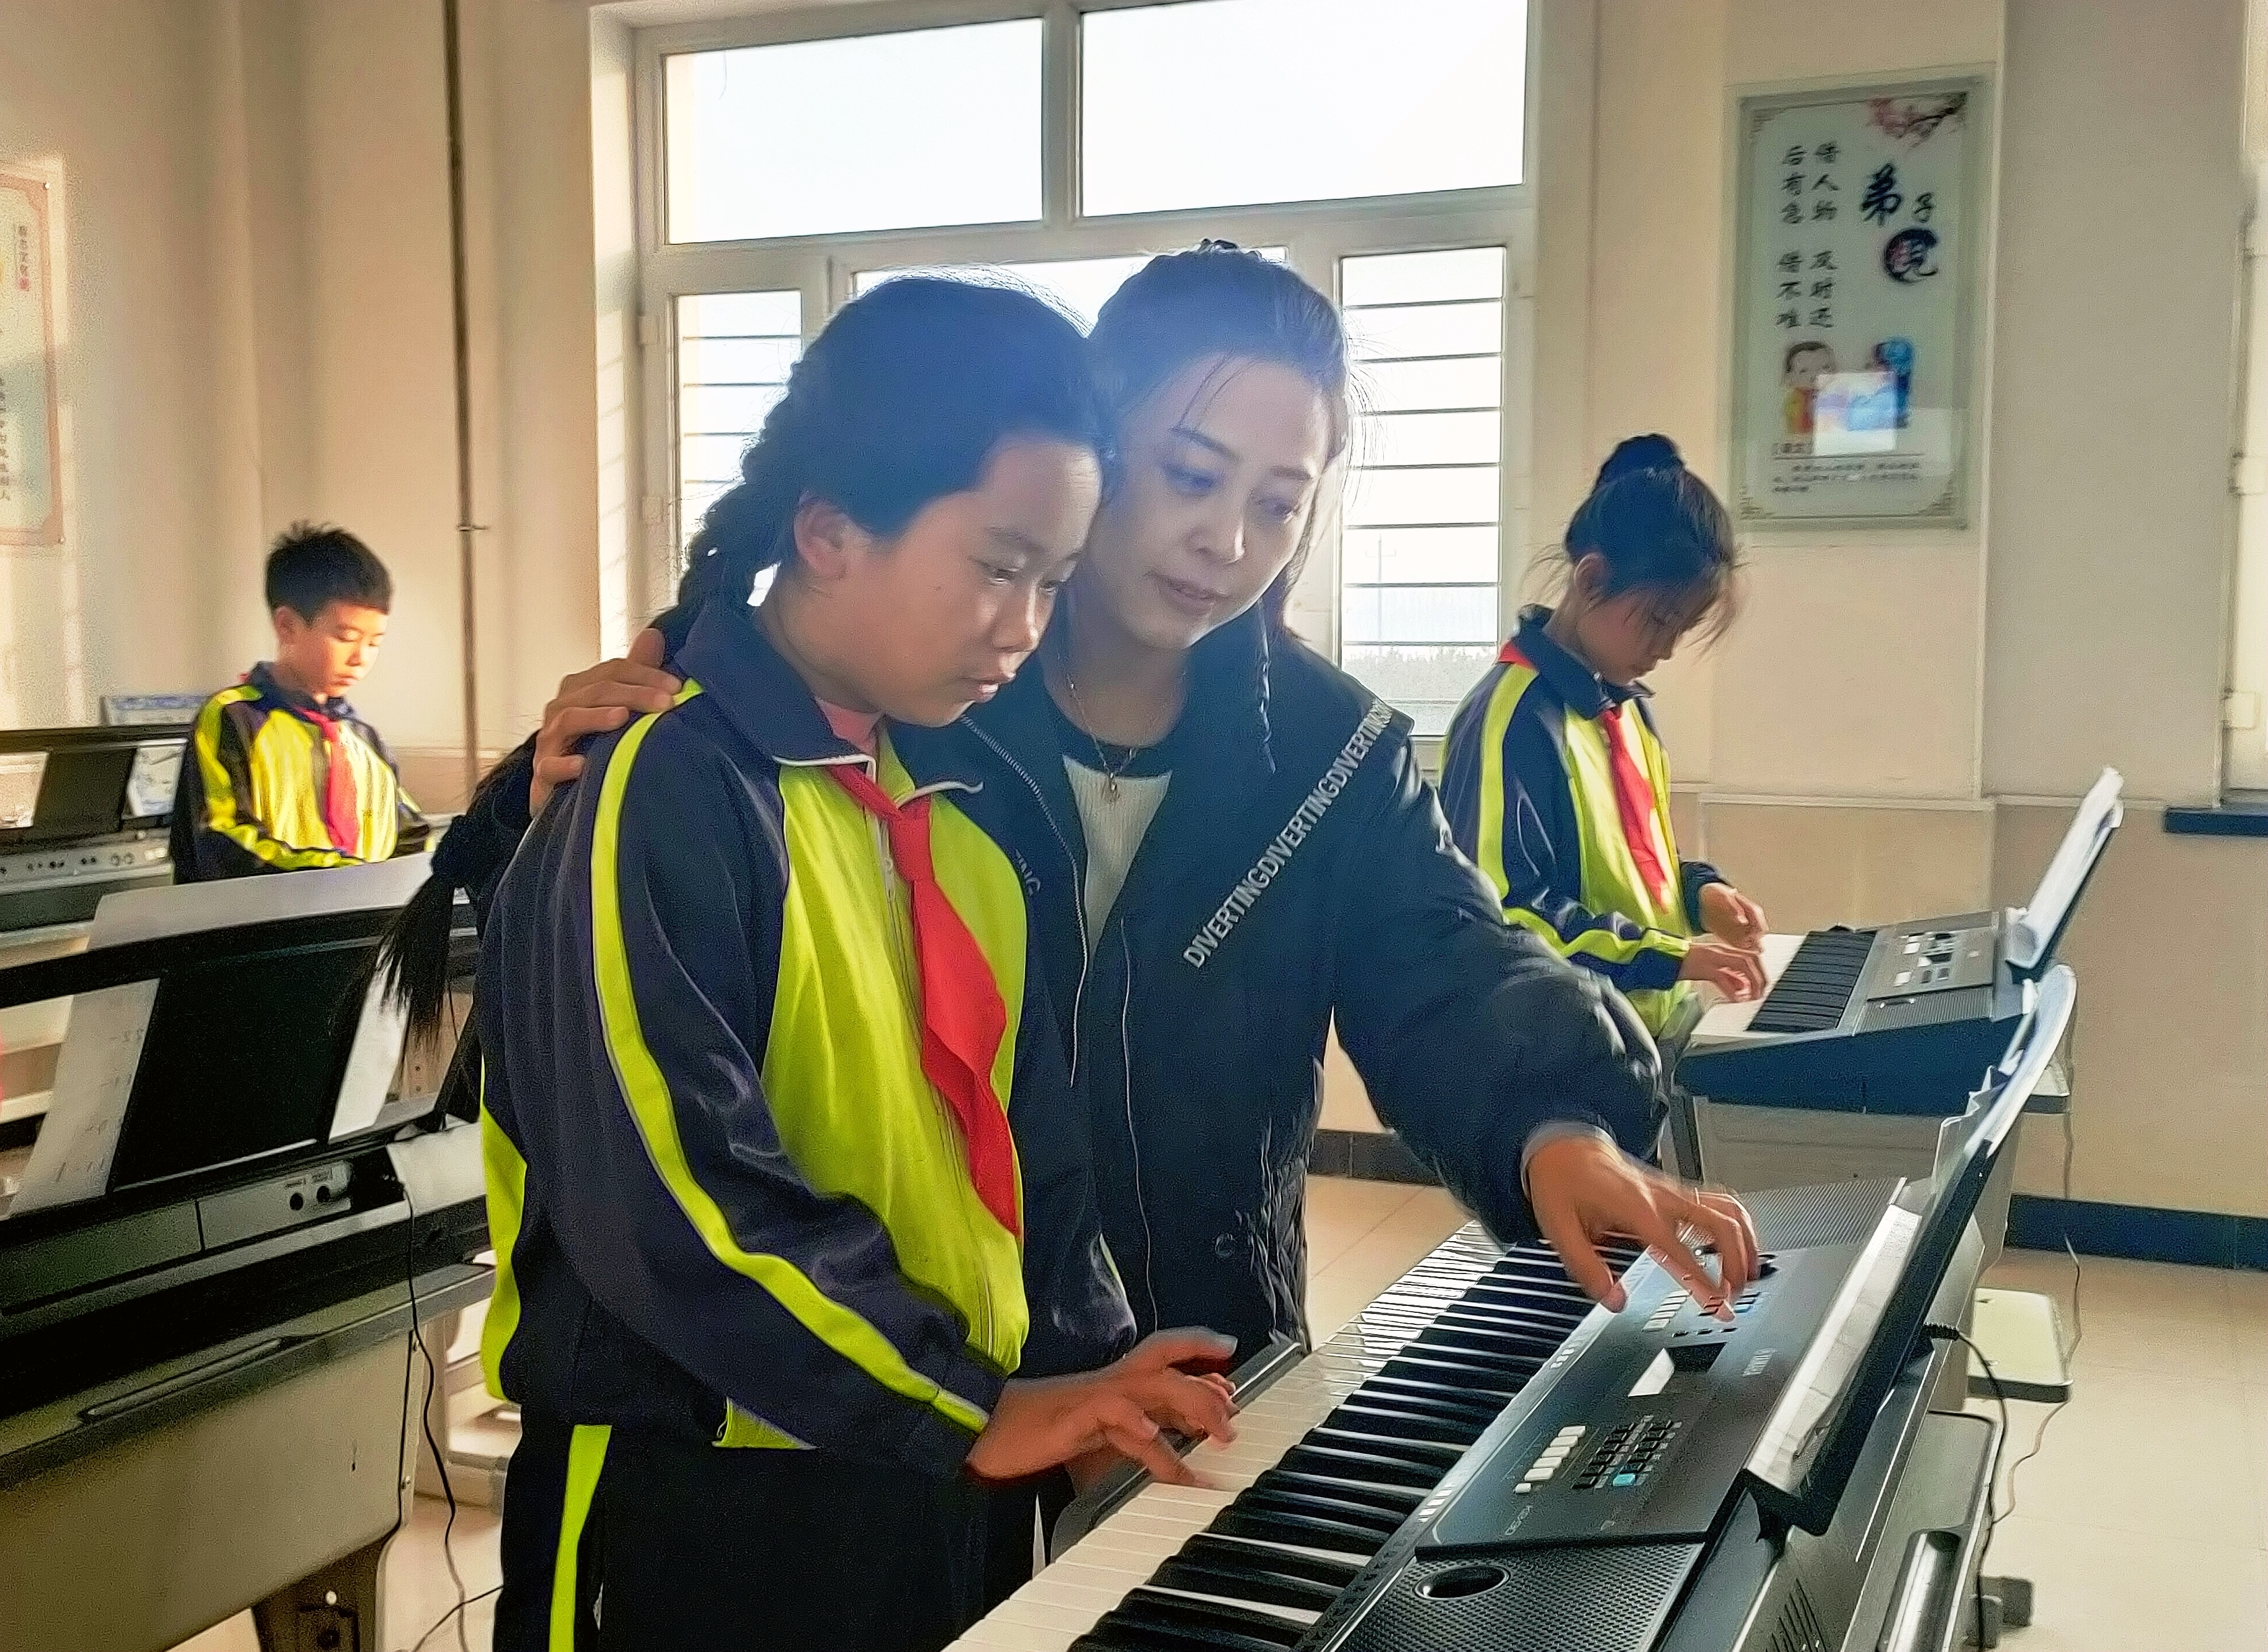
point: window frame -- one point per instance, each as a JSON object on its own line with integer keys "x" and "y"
{"x": 1316, "y": 236}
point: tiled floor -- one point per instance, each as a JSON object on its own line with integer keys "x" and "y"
{"x": 2143, "y": 1521}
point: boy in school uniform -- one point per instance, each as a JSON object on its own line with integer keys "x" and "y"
{"x": 281, "y": 774}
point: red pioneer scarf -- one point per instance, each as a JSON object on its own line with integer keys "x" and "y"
{"x": 963, "y": 1017}
{"x": 342, "y": 813}
{"x": 1634, "y": 799}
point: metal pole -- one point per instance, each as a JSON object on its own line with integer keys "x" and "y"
{"x": 470, "y": 624}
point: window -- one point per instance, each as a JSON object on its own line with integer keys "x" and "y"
{"x": 945, "y": 129}
{"x": 1082, "y": 286}
{"x": 1232, "y": 102}
{"x": 1418, "y": 560}
{"x": 790, "y": 165}
{"x": 733, "y": 353}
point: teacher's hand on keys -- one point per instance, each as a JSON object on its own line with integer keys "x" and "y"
{"x": 1584, "y": 1190}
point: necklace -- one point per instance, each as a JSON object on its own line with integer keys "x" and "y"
{"x": 1085, "y": 727}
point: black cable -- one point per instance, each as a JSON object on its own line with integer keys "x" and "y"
{"x": 454, "y": 1611}
{"x": 425, "y": 1422}
{"x": 1992, "y": 1477}
{"x": 2078, "y": 1327}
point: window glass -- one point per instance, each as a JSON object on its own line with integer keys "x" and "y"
{"x": 1419, "y": 560}
{"x": 876, "y": 132}
{"x": 1246, "y": 102}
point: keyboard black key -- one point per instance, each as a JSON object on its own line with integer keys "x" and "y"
{"x": 1482, "y": 1408}
{"x": 1226, "y": 1551}
{"x": 1348, "y": 1513}
{"x": 1429, "y": 1366}
{"x": 1372, "y": 1417}
{"x": 1164, "y": 1611}
{"x": 1305, "y": 1530}
{"x": 1342, "y": 1432}
{"x": 1118, "y": 1633}
{"x": 1393, "y": 1499}
{"x": 1323, "y": 1459}
{"x": 1242, "y": 1582}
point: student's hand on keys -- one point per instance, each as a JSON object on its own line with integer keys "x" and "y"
{"x": 596, "y": 702}
{"x": 1584, "y": 1190}
{"x": 1735, "y": 971}
{"x": 1048, "y": 1421}
{"x": 1731, "y": 916}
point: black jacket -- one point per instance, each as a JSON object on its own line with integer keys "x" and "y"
{"x": 1299, "y": 870}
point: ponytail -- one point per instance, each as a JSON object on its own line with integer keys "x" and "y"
{"x": 413, "y": 951}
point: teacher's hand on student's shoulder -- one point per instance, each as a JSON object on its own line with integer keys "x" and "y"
{"x": 1731, "y": 916}
{"x": 1123, "y": 1408}
{"x": 1738, "y": 972}
{"x": 1584, "y": 1189}
{"x": 597, "y": 702}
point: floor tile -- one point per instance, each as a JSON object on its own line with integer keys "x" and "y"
{"x": 2147, "y": 1455}
{"x": 1341, "y": 1212}
{"x": 2099, "y": 1590}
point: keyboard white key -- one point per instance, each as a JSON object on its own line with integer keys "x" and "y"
{"x": 1120, "y": 1555}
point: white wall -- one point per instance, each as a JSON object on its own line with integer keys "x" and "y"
{"x": 111, "y": 99}
{"x": 2112, "y": 511}
{"x": 253, "y": 218}
{"x": 2081, "y": 619}
{"x": 1862, "y": 741}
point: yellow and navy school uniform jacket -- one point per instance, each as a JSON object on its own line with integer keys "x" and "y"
{"x": 1529, "y": 785}
{"x": 726, "y": 1201}
{"x": 253, "y": 783}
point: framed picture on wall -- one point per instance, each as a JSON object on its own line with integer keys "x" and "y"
{"x": 31, "y": 502}
{"x": 1859, "y": 234}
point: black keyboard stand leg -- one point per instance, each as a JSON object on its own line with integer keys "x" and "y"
{"x": 1684, "y": 1133}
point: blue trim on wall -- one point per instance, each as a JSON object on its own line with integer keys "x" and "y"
{"x": 2199, "y": 1238}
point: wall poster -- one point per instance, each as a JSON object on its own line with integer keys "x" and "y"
{"x": 1859, "y": 235}
{"x": 31, "y": 503}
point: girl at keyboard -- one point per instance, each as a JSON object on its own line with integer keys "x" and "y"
{"x": 784, "y": 1177}
{"x": 1554, "y": 777}
{"x": 1229, "y": 847}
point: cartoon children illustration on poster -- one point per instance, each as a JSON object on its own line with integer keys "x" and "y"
{"x": 1805, "y": 366}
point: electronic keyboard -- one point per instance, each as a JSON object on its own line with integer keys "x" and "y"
{"x": 1904, "y": 1017}
{"x": 1329, "y": 1459}
{"x": 1359, "y": 1508}
{"x": 1896, "y": 1020}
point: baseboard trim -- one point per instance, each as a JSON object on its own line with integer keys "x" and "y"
{"x": 2140, "y": 1232}
{"x": 1367, "y": 1155}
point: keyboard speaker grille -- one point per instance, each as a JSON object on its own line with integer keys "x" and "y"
{"x": 1812, "y": 993}
{"x": 1801, "y": 1217}
{"x": 1591, "y": 1598}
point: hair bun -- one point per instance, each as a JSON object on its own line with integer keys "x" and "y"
{"x": 1634, "y": 454}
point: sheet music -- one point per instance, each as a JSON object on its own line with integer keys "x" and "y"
{"x": 180, "y": 908}
{"x": 94, "y": 1076}
{"x": 2098, "y": 816}
{"x": 1807, "y": 1404}
{"x": 371, "y": 1065}
{"x": 151, "y": 783}
{"x": 20, "y": 774}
